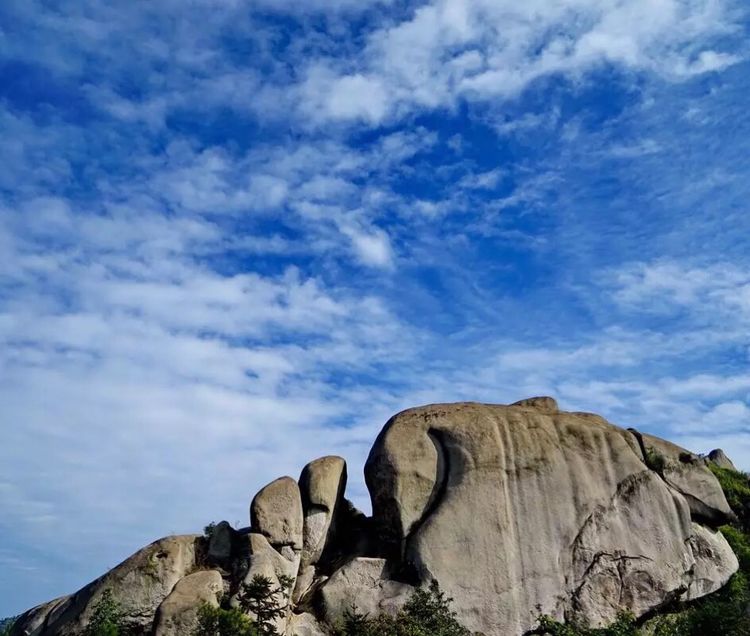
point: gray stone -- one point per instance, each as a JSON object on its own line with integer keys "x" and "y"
{"x": 276, "y": 512}
{"x": 362, "y": 583}
{"x": 322, "y": 484}
{"x": 517, "y": 510}
{"x": 718, "y": 457}
{"x": 139, "y": 584}
{"x": 178, "y": 613}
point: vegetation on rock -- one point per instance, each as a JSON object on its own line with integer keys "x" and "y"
{"x": 6, "y": 624}
{"x": 426, "y": 613}
{"x": 724, "y": 613}
{"x": 106, "y": 619}
{"x": 217, "y": 621}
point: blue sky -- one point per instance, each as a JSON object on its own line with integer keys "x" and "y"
{"x": 237, "y": 236}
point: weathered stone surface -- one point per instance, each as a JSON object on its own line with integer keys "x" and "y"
{"x": 364, "y": 583}
{"x": 263, "y": 559}
{"x": 178, "y": 613}
{"x": 688, "y": 474}
{"x": 304, "y": 625}
{"x": 140, "y": 584}
{"x": 543, "y": 404}
{"x": 718, "y": 457}
{"x": 515, "y": 509}
{"x": 322, "y": 484}
{"x": 276, "y": 512}
{"x": 714, "y": 562}
{"x": 35, "y": 621}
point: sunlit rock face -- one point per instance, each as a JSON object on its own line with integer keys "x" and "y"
{"x": 515, "y": 510}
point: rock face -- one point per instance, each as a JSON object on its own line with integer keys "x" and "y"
{"x": 178, "y": 613}
{"x": 140, "y": 584}
{"x": 276, "y": 512}
{"x": 718, "y": 457}
{"x": 519, "y": 508}
{"x": 515, "y": 510}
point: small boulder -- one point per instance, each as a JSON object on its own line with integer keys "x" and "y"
{"x": 543, "y": 404}
{"x": 304, "y": 625}
{"x": 276, "y": 513}
{"x": 688, "y": 474}
{"x": 718, "y": 457}
{"x": 364, "y": 583}
{"x": 178, "y": 613}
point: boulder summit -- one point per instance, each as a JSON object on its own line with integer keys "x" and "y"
{"x": 515, "y": 510}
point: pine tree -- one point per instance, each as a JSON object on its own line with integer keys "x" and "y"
{"x": 266, "y": 602}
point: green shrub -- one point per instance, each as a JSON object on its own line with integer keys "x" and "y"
{"x": 6, "y": 625}
{"x": 655, "y": 460}
{"x": 736, "y": 487}
{"x": 106, "y": 619}
{"x": 426, "y": 613}
{"x": 216, "y": 621}
{"x": 624, "y": 625}
{"x": 266, "y": 602}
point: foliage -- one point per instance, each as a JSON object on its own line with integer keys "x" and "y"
{"x": 266, "y": 602}
{"x": 624, "y": 625}
{"x": 426, "y": 613}
{"x": 216, "y": 621}
{"x": 106, "y": 619}
{"x": 6, "y": 624}
{"x": 736, "y": 487}
{"x": 655, "y": 460}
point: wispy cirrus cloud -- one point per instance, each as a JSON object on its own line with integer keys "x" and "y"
{"x": 234, "y": 238}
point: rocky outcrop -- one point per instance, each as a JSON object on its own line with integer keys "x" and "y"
{"x": 523, "y": 508}
{"x": 178, "y": 613}
{"x": 140, "y": 584}
{"x": 515, "y": 510}
{"x": 718, "y": 457}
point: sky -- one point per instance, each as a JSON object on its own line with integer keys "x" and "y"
{"x": 236, "y": 236}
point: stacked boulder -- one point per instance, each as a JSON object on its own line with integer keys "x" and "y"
{"x": 515, "y": 510}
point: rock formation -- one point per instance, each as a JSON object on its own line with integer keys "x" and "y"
{"x": 515, "y": 510}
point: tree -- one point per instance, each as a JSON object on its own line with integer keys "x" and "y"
{"x": 216, "y": 621}
{"x": 426, "y": 613}
{"x": 266, "y": 602}
{"x": 106, "y": 619}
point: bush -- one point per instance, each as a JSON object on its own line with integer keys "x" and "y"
{"x": 106, "y": 619}
{"x": 655, "y": 460}
{"x": 624, "y": 625}
{"x": 266, "y": 602}
{"x": 736, "y": 487}
{"x": 215, "y": 621}
{"x": 426, "y": 613}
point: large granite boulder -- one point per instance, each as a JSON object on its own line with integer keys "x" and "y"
{"x": 139, "y": 584}
{"x": 515, "y": 510}
{"x": 523, "y": 509}
{"x": 365, "y": 584}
